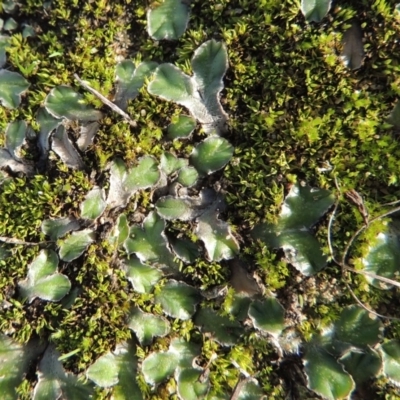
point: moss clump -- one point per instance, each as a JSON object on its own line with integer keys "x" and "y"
{"x": 296, "y": 113}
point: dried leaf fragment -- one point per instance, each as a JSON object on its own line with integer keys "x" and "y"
{"x": 353, "y": 49}
{"x": 64, "y": 148}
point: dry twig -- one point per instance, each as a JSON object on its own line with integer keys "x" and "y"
{"x": 106, "y": 101}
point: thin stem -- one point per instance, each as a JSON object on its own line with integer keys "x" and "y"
{"x": 8, "y": 240}
{"x": 331, "y": 218}
{"x": 359, "y": 231}
{"x": 346, "y": 268}
{"x": 374, "y": 276}
{"x": 361, "y": 304}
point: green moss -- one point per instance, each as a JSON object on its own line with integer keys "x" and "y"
{"x": 296, "y": 113}
{"x": 25, "y": 203}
